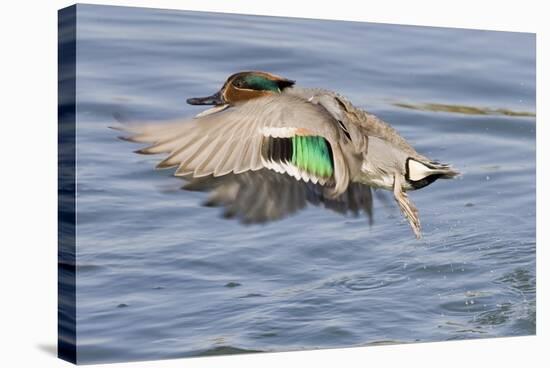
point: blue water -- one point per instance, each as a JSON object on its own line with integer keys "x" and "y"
{"x": 160, "y": 276}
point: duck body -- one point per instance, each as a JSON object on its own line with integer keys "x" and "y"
{"x": 261, "y": 122}
{"x": 386, "y": 153}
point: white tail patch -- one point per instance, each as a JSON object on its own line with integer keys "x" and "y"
{"x": 418, "y": 171}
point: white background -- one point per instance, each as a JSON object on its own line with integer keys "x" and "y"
{"x": 28, "y": 180}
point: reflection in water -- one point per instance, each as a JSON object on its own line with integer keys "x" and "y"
{"x": 462, "y": 109}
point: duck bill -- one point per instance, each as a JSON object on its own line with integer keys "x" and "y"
{"x": 215, "y": 99}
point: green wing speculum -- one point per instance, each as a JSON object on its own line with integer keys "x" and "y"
{"x": 313, "y": 155}
{"x": 304, "y": 157}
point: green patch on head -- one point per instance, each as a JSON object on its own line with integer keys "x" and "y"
{"x": 313, "y": 155}
{"x": 260, "y": 83}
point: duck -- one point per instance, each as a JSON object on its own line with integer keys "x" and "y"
{"x": 267, "y": 147}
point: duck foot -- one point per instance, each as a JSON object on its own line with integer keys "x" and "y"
{"x": 406, "y": 206}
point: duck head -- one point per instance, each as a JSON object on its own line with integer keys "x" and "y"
{"x": 241, "y": 87}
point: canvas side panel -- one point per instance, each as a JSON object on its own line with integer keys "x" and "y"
{"x": 66, "y": 268}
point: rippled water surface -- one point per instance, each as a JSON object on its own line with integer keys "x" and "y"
{"x": 160, "y": 276}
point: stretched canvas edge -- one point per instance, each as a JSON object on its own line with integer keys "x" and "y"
{"x": 66, "y": 113}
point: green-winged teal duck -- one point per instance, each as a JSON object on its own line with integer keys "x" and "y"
{"x": 268, "y": 147}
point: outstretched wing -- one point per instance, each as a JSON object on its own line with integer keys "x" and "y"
{"x": 262, "y": 196}
{"x": 281, "y": 133}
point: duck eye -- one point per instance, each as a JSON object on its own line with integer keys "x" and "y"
{"x": 239, "y": 83}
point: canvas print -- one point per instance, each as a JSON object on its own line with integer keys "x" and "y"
{"x": 237, "y": 184}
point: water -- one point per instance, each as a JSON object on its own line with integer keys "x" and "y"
{"x": 160, "y": 276}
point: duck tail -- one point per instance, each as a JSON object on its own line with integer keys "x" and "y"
{"x": 445, "y": 171}
{"x": 420, "y": 170}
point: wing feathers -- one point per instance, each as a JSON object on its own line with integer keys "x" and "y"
{"x": 263, "y": 195}
{"x": 231, "y": 141}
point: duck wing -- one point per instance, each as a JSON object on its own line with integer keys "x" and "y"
{"x": 281, "y": 133}
{"x": 264, "y": 195}
{"x": 354, "y": 120}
